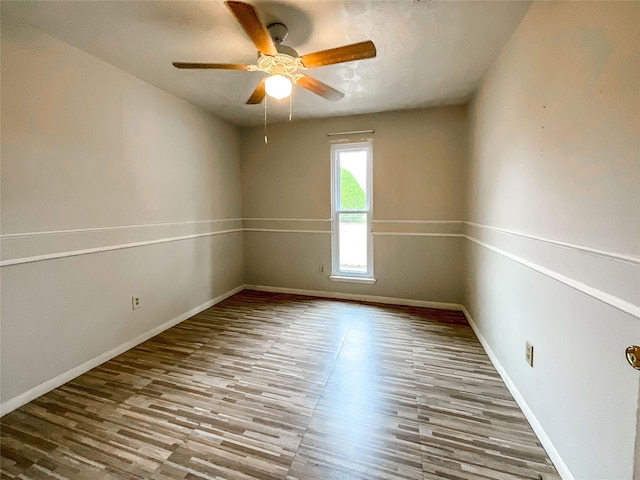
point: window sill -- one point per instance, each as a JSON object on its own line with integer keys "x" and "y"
{"x": 337, "y": 278}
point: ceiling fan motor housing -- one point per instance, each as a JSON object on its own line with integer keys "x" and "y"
{"x": 278, "y": 32}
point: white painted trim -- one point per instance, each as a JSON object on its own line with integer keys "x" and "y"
{"x": 35, "y": 392}
{"x": 342, "y": 278}
{"x": 418, "y": 221}
{"x": 119, "y": 227}
{"x": 616, "y": 256}
{"x": 337, "y": 209}
{"x": 109, "y": 248}
{"x": 284, "y": 230}
{"x": 354, "y": 132}
{"x": 554, "y": 456}
{"x": 273, "y": 219}
{"x": 355, "y": 296}
{"x": 417, "y": 234}
{"x": 581, "y": 248}
{"x": 605, "y": 297}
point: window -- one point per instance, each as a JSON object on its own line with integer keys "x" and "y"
{"x": 352, "y": 202}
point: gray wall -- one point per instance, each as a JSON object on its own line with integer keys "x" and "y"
{"x": 419, "y": 160}
{"x": 95, "y": 161}
{"x": 555, "y": 148}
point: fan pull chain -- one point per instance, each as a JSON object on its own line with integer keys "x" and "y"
{"x": 266, "y": 140}
{"x": 290, "y": 100}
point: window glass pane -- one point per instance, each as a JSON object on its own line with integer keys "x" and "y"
{"x": 353, "y": 180}
{"x": 353, "y": 242}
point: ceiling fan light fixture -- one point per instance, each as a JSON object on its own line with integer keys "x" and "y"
{"x": 282, "y": 64}
{"x": 278, "y": 86}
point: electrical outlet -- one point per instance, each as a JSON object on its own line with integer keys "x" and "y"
{"x": 135, "y": 303}
{"x": 321, "y": 269}
{"x": 529, "y": 353}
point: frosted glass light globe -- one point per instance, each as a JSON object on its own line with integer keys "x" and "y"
{"x": 278, "y": 86}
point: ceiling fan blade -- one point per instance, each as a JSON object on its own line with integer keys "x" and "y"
{"x": 319, "y": 88}
{"x": 248, "y": 18}
{"x": 221, "y": 66}
{"x": 348, "y": 53}
{"x": 258, "y": 94}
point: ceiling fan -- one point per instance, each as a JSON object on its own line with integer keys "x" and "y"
{"x": 281, "y": 63}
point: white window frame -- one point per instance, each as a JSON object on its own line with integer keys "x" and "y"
{"x": 337, "y": 274}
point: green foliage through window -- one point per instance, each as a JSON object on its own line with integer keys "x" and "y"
{"x": 352, "y": 195}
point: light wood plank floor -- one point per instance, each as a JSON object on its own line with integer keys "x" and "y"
{"x": 271, "y": 386}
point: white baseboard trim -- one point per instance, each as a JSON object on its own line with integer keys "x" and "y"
{"x": 359, "y": 297}
{"x": 35, "y": 392}
{"x": 61, "y": 379}
{"x": 555, "y": 457}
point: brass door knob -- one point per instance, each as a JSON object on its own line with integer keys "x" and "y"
{"x": 633, "y": 356}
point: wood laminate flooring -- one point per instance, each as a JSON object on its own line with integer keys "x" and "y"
{"x": 273, "y": 386}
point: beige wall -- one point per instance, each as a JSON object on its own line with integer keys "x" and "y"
{"x": 113, "y": 168}
{"x": 418, "y": 174}
{"x": 550, "y": 191}
{"x": 555, "y": 143}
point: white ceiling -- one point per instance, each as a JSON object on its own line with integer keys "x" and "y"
{"x": 429, "y": 52}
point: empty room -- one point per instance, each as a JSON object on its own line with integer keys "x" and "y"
{"x": 320, "y": 240}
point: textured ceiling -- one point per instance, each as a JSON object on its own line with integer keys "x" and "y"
{"x": 429, "y": 52}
